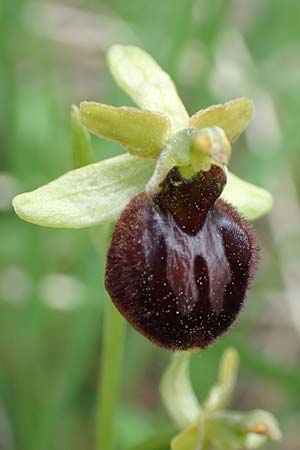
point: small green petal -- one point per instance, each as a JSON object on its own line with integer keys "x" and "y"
{"x": 81, "y": 141}
{"x": 143, "y": 133}
{"x": 87, "y": 196}
{"x": 220, "y": 394}
{"x": 146, "y": 83}
{"x": 233, "y": 117}
{"x": 251, "y": 201}
{"x": 177, "y": 392}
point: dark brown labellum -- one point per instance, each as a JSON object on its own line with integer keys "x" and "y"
{"x": 179, "y": 264}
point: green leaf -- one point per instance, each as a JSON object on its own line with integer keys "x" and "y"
{"x": 88, "y": 196}
{"x": 251, "y": 201}
{"x": 220, "y": 394}
{"x": 81, "y": 142}
{"x": 177, "y": 392}
{"x": 143, "y": 133}
{"x": 233, "y": 117}
{"x": 146, "y": 83}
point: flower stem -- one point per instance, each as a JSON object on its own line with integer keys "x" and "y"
{"x": 110, "y": 371}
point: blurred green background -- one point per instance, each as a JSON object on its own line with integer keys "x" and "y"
{"x": 52, "y": 55}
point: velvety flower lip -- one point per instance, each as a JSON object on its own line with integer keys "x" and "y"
{"x": 180, "y": 264}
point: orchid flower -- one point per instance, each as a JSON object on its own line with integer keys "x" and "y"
{"x": 182, "y": 254}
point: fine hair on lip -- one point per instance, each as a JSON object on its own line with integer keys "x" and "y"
{"x": 179, "y": 265}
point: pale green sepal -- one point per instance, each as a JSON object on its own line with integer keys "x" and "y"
{"x": 177, "y": 392}
{"x": 233, "y": 116}
{"x": 81, "y": 141}
{"x": 146, "y": 83}
{"x": 251, "y": 201}
{"x": 189, "y": 439}
{"x": 221, "y": 393}
{"x": 143, "y": 133}
{"x": 88, "y": 196}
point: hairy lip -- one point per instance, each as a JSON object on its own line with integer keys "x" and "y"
{"x": 179, "y": 265}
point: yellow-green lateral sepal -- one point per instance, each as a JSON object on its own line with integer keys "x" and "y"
{"x": 233, "y": 117}
{"x": 146, "y": 83}
{"x": 91, "y": 195}
{"x": 143, "y": 133}
{"x": 251, "y": 201}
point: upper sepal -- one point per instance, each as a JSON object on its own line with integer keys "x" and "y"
{"x": 147, "y": 83}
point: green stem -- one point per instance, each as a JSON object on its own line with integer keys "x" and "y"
{"x": 114, "y": 324}
{"x": 110, "y": 374}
